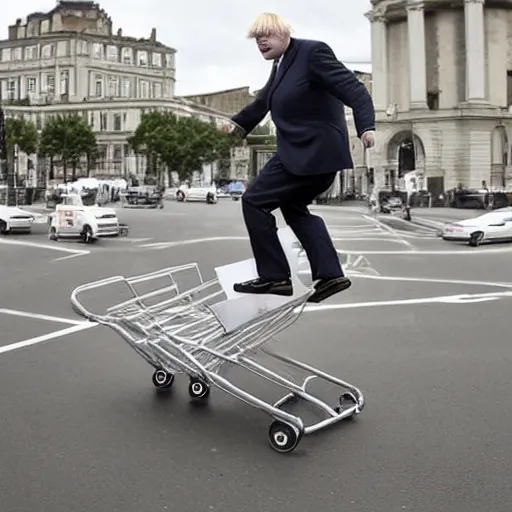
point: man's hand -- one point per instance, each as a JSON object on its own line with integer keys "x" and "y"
{"x": 368, "y": 139}
{"x": 227, "y": 128}
{"x": 232, "y": 129}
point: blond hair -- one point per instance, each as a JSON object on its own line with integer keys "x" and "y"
{"x": 267, "y": 24}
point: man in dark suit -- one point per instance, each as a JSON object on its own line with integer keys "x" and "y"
{"x": 306, "y": 94}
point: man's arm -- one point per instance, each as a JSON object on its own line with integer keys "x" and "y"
{"x": 252, "y": 115}
{"x": 326, "y": 70}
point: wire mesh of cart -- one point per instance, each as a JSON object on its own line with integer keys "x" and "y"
{"x": 193, "y": 329}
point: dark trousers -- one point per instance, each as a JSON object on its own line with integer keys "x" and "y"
{"x": 273, "y": 188}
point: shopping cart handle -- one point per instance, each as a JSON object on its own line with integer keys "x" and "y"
{"x": 77, "y": 305}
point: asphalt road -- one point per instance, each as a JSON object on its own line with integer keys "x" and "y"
{"x": 424, "y": 332}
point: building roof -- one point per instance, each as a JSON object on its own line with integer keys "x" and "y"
{"x": 236, "y": 89}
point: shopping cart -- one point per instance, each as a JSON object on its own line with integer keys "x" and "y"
{"x": 203, "y": 329}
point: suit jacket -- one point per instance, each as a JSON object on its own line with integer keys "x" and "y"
{"x": 306, "y": 98}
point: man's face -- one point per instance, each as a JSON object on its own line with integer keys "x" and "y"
{"x": 272, "y": 46}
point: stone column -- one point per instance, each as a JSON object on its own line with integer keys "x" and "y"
{"x": 475, "y": 50}
{"x": 380, "y": 88}
{"x": 417, "y": 55}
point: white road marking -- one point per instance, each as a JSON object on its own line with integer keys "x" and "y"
{"x": 439, "y": 281}
{"x": 446, "y": 299}
{"x": 372, "y": 239}
{"x": 461, "y": 252}
{"x": 351, "y": 226}
{"x": 71, "y": 256}
{"x": 178, "y": 243}
{"x": 359, "y": 232}
{"x": 132, "y": 240}
{"x": 389, "y": 230}
{"x": 37, "y": 316}
{"x": 46, "y": 337}
{"x": 48, "y": 247}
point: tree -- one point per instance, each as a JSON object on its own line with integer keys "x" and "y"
{"x": 69, "y": 137}
{"x": 183, "y": 144}
{"x": 21, "y": 133}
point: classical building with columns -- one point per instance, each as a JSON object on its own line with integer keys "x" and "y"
{"x": 442, "y": 88}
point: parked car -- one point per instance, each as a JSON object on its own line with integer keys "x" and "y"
{"x": 390, "y": 205}
{"x": 236, "y": 190}
{"x": 14, "y": 219}
{"x": 206, "y": 194}
{"x": 490, "y": 227}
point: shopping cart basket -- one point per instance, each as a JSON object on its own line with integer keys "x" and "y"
{"x": 196, "y": 331}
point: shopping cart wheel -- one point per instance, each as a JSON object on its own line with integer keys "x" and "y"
{"x": 198, "y": 389}
{"x": 283, "y": 438}
{"x": 162, "y": 379}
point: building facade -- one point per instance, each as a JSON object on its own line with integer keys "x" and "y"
{"x": 70, "y": 60}
{"x": 442, "y": 88}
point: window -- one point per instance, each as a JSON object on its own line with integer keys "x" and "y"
{"x": 91, "y": 120}
{"x": 126, "y": 88}
{"x": 433, "y": 100}
{"x": 127, "y": 54}
{"x": 17, "y": 54}
{"x": 157, "y": 59}
{"x": 117, "y": 122}
{"x": 98, "y": 84}
{"x": 31, "y": 85}
{"x": 47, "y": 51}
{"x": 39, "y": 122}
{"x": 64, "y": 82}
{"x": 142, "y": 58}
{"x": 30, "y": 52}
{"x": 82, "y": 48}
{"x": 157, "y": 90}
{"x": 168, "y": 90}
{"x": 169, "y": 60}
{"x": 112, "y": 53}
{"x": 112, "y": 86}
{"x": 97, "y": 51}
{"x": 144, "y": 89}
{"x": 118, "y": 152}
{"x": 103, "y": 121}
{"x": 50, "y": 84}
{"x": 6, "y": 54}
{"x": 11, "y": 89}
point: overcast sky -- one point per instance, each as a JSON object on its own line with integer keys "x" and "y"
{"x": 209, "y": 35}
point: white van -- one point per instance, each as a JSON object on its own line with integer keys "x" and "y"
{"x": 74, "y": 220}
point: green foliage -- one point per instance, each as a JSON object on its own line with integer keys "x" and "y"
{"x": 23, "y": 133}
{"x": 183, "y": 144}
{"x": 70, "y": 138}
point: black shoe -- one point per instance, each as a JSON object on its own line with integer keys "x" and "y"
{"x": 261, "y": 286}
{"x": 327, "y": 287}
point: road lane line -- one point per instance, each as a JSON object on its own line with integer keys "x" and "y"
{"x": 46, "y": 337}
{"x": 439, "y": 281}
{"x": 43, "y": 246}
{"x": 444, "y": 299}
{"x": 37, "y": 316}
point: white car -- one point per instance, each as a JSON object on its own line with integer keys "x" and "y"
{"x": 74, "y": 220}
{"x": 14, "y": 219}
{"x": 490, "y": 227}
{"x": 203, "y": 194}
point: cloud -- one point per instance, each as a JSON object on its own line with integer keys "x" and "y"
{"x": 213, "y": 52}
